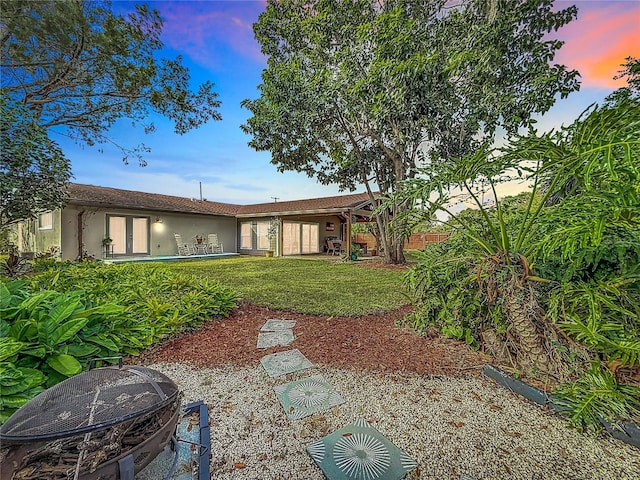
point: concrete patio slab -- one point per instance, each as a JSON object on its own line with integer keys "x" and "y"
{"x": 274, "y": 339}
{"x": 307, "y": 396}
{"x": 360, "y": 452}
{"x": 278, "y": 364}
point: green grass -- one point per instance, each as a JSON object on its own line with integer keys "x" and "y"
{"x": 306, "y": 285}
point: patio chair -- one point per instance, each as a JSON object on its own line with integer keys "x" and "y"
{"x": 214, "y": 245}
{"x": 334, "y": 247}
{"x": 183, "y": 248}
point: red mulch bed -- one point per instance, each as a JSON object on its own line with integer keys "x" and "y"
{"x": 371, "y": 342}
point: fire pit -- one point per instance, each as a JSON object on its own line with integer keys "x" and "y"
{"x": 105, "y": 424}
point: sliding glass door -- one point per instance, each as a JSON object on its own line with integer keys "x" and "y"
{"x": 299, "y": 238}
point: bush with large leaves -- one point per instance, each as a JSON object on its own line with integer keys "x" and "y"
{"x": 579, "y": 229}
{"x": 46, "y": 337}
{"x": 55, "y": 325}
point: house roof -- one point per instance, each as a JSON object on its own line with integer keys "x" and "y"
{"x": 313, "y": 205}
{"x": 93, "y": 196}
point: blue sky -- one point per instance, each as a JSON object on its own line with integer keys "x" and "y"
{"x": 216, "y": 41}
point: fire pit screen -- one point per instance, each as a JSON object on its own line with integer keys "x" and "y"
{"x": 102, "y": 424}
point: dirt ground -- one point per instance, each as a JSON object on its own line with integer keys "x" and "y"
{"x": 368, "y": 343}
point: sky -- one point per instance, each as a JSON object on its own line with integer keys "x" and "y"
{"x": 216, "y": 41}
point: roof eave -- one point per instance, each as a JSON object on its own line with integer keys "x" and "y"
{"x": 84, "y": 203}
{"x": 318, "y": 211}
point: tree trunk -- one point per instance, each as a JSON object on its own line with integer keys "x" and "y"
{"x": 523, "y": 312}
{"x": 391, "y": 241}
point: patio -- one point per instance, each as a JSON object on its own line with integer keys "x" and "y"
{"x": 170, "y": 258}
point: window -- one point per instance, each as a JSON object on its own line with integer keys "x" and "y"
{"x": 290, "y": 238}
{"x": 45, "y": 221}
{"x": 245, "y": 236}
{"x": 255, "y": 236}
{"x": 130, "y": 235}
{"x": 140, "y": 235}
{"x": 262, "y": 235}
{"x": 118, "y": 234}
{"x": 310, "y": 238}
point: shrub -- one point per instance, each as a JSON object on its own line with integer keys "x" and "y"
{"x": 159, "y": 302}
{"x": 96, "y": 311}
{"x": 562, "y": 265}
{"x": 48, "y": 336}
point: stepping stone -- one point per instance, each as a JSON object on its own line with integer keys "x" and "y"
{"x": 360, "y": 452}
{"x": 277, "y": 324}
{"x": 306, "y": 397}
{"x": 278, "y": 364}
{"x": 273, "y": 339}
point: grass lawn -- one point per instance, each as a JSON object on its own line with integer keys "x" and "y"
{"x": 306, "y": 285}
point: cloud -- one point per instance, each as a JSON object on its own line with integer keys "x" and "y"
{"x": 597, "y": 43}
{"x": 204, "y": 30}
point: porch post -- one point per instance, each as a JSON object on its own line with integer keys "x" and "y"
{"x": 348, "y": 235}
{"x": 279, "y": 239}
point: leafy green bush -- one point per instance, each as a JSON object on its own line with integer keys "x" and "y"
{"x": 598, "y": 395}
{"x": 445, "y": 291}
{"x": 47, "y": 336}
{"x": 570, "y": 255}
{"x": 96, "y": 311}
{"x": 158, "y": 301}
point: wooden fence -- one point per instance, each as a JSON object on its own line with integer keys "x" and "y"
{"x": 416, "y": 241}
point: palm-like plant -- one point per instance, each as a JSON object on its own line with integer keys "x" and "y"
{"x": 579, "y": 227}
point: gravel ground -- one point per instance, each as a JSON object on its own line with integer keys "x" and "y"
{"x": 453, "y": 427}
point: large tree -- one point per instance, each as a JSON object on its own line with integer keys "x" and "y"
{"x": 363, "y": 92}
{"x": 33, "y": 170}
{"x": 79, "y": 67}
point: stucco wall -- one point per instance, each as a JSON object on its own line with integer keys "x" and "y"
{"x": 188, "y": 226}
{"x": 30, "y": 238}
{"x": 322, "y": 233}
{"x": 162, "y": 240}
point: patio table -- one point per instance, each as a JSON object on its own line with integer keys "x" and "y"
{"x": 200, "y": 248}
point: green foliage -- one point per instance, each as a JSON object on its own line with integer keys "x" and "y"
{"x": 603, "y": 315}
{"x": 579, "y": 229}
{"x": 52, "y": 334}
{"x": 95, "y": 311}
{"x": 597, "y": 394}
{"x": 33, "y": 170}
{"x": 158, "y": 302}
{"x": 590, "y": 239}
{"x": 445, "y": 291}
{"x": 354, "y": 92}
{"x": 76, "y": 64}
{"x": 18, "y": 386}
{"x": 44, "y": 263}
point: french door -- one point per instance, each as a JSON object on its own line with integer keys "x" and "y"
{"x": 129, "y": 233}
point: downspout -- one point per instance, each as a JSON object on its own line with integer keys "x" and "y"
{"x": 80, "y": 230}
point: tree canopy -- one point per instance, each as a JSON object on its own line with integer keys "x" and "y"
{"x": 363, "y": 92}
{"x": 78, "y": 66}
{"x": 33, "y": 170}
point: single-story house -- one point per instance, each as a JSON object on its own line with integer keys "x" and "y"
{"x": 144, "y": 224}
